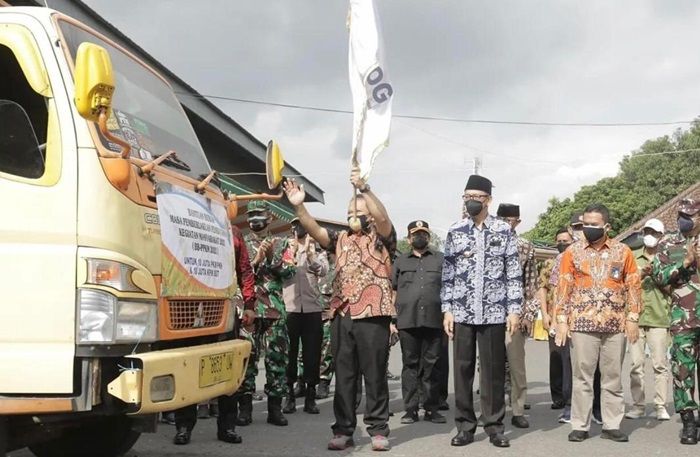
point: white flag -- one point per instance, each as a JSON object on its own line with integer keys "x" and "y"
{"x": 372, "y": 92}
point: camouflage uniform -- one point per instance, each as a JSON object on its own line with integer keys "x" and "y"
{"x": 270, "y": 332}
{"x": 684, "y": 285}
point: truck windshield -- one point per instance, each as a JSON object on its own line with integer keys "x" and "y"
{"x": 145, "y": 111}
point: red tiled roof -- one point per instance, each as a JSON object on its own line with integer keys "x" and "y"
{"x": 666, "y": 213}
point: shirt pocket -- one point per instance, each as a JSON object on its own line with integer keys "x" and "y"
{"x": 406, "y": 278}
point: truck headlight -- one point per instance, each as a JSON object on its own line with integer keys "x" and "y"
{"x": 104, "y": 319}
{"x": 136, "y": 321}
{"x": 96, "y": 310}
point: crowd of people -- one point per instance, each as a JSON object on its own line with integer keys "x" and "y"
{"x": 323, "y": 303}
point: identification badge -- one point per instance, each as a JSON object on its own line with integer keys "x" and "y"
{"x": 616, "y": 271}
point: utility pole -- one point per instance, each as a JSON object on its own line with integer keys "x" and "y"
{"x": 477, "y": 165}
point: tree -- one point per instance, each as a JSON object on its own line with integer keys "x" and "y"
{"x": 641, "y": 185}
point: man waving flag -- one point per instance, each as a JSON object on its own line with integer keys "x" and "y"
{"x": 372, "y": 93}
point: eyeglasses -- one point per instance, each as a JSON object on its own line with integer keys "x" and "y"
{"x": 480, "y": 197}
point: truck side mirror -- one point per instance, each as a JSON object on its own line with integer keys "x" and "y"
{"x": 20, "y": 154}
{"x": 94, "y": 81}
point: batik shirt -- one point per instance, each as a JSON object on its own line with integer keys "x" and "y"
{"x": 270, "y": 274}
{"x": 598, "y": 287}
{"x": 668, "y": 270}
{"x": 526, "y": 254}
{"x": 481, "y": 274}
{"x": 547, "y": 273}
{"x": 362, "y": 283}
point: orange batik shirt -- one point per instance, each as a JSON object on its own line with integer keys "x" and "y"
{"x": 598, "y": 287}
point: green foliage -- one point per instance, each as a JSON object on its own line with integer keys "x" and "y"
{"x": 641, "y": 185}
{"x": 436, "y": 243}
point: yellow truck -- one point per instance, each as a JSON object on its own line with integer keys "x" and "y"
{"x": 116, "y": 256}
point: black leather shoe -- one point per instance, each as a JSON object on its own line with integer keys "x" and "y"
{"x": 182, "y": 436}
{"x": 462, "y": 439}
{"x": 290, "y": 405}
{"x": 274, "y": 412}
{"x": 310, "y": 406}
{"x": 499, "y": 440}
{"x": 527, "y": 406}
{"x": 410, "y": 417}
{"x": 434, "y": 417}
{"x": 443, "y": 406}
{"x": 689, "y": 434}
{"x": 520, "y": 422}
{"x": 558, "y": 405}
{"x": 229, "y": 436}
{"x": 578, "y": 436}
{"x": 614, "y": 435}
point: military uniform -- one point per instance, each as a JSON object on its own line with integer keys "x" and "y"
{"x": 684, "y": 283}
{"x": 269, "y": 333}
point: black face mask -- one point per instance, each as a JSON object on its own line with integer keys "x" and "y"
{"x": 561, "y": 247}
{"x": 420, "y": 241}
{"x": 364, "y": 222}
{"x": 258, "y": 223}
{"x": 685, "y": 224}
{"x": 593, "y": 234}
{"x": 474, "y": 207}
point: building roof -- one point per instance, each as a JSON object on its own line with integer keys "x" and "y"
{"x": 667, "y": 213}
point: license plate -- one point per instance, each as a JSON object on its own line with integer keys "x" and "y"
{"x": 214, "y": 369}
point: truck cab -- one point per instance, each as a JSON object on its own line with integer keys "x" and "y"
{"x": 116, "y": 257}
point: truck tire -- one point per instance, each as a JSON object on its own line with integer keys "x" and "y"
{"x": 106, "y": 437}
{"x": 4, "y": 436}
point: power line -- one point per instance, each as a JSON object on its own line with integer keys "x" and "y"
{"x": 437, "y": 118}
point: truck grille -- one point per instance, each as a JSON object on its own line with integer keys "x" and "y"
{"x": 190, "y": 314}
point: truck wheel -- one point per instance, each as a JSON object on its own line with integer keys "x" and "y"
{"x": 107, "y": 437}
{"x": 4, "y": 436}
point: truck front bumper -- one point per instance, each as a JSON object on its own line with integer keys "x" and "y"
{"x": 173, "y": 378}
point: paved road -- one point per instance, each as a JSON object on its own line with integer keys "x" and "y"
{"x": 307, "y": 435}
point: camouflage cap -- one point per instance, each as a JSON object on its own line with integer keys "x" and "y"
{"x": 689, "y": 206}
{"x": 258, "y": 206}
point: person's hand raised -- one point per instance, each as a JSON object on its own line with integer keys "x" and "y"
{"x": 295, "y": 192}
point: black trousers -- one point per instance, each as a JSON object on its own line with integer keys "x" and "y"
{"x": 307, "y": 328}
{"x": 443, "y": 366}
{"x": 228, "y": 412}
{"x": 492, "y": 354}
{"x": 420, "y": 351}
{"x": 360, "y": 348}
{"x": 560, "y": 380}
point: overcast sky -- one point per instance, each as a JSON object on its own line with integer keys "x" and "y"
{"x": 551, "y": 61}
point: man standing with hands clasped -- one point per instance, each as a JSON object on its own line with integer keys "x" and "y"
{"x": 482, "y": 292}
{"x": 416, "y": 279}
{"x": 598, "y": 302}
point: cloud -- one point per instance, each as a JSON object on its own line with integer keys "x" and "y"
{"x": 599, "y": 61}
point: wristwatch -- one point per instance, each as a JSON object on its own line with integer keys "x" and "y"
{"x": 365, "y": 189}
{"x": 633, "y": 317}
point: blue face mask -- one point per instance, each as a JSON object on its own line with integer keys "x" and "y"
{"x": 685, "y": 224}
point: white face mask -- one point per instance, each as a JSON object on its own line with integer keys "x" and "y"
{"x": 650, "y": 241}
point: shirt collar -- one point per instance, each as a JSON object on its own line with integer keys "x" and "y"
{"x": 607, "y": 244}
{"x": 487, "y": 222}
{"x": 427, "y": 252}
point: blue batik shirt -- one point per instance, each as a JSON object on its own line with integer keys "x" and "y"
{"x": 481, "y": 274}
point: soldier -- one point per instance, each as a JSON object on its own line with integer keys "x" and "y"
{"x": 273, "y": 262}
{"x": 676, "y": 266}
{"x": 327, "y": 365}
